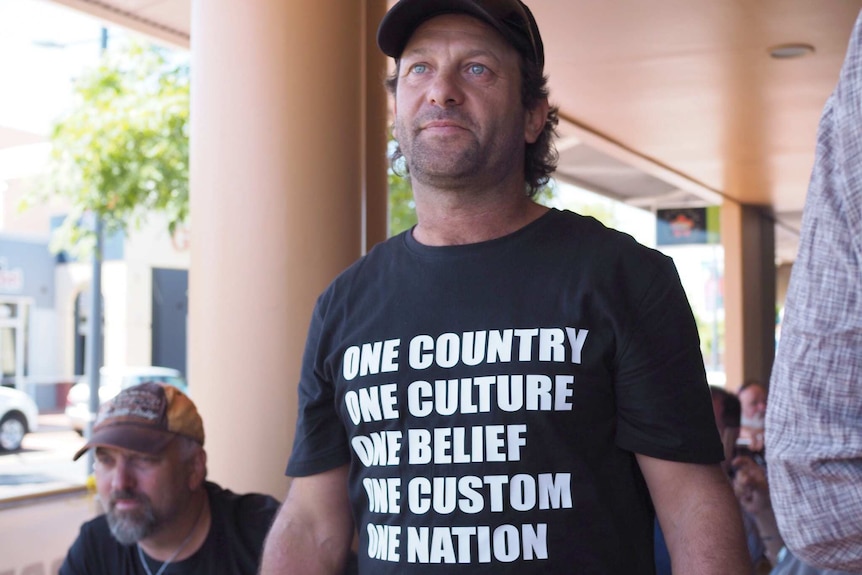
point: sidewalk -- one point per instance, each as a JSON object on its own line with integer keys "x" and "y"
{"x": 43, "y": 498}
{"x": 44, "y": 464}
{"x": 38, "y": 531}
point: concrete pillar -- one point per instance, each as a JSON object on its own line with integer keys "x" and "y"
{"x": 376, "y": 130}
{"x": 748, "y": 236}
{"x": 281, "y": 160}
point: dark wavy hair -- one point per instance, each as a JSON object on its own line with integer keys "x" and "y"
{"x": 731, "y": 412}
{"x": 540, "y": 157}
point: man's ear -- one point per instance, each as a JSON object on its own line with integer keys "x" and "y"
{"x": 534, "y": 120}
{"x": 198, "y": 471}
{"x": 394, "y": 119}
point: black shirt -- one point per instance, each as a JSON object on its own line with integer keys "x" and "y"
{"x": 490, "y": 399}
{"x": 232, "y": 547}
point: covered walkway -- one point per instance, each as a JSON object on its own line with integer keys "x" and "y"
{"x": 288, "y": 174}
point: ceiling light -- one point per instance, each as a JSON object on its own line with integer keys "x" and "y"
{"x": 788, "y": 51}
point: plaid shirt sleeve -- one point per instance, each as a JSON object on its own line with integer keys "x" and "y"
{"x": 814, "y": 416}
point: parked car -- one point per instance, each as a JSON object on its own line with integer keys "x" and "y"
{"x": 18, "y": 417}
{"x": 111, "y": 381}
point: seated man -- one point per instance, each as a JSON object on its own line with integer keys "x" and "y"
{"x": 752, "y": 396}
{"x": 160, "y": 511}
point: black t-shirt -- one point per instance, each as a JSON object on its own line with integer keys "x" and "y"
{"x": 490, "y": 398}
{"x": 232, "y": 547}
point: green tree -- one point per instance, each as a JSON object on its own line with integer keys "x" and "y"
{"x": 122, "y": 152}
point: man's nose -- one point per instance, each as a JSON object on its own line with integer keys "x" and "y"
{"x": 446, "y": 89}
{"x": 123, "y": 476}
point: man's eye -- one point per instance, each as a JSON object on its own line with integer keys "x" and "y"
{"x": 477, "y": 69}
{"x": 102, "y": 457}
{"x": 418, "y": 68}
{"x": 143, "y": 462}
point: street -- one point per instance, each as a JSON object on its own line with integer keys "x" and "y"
{"x": 44, "y": 462}
{"x": 43, "y": 501}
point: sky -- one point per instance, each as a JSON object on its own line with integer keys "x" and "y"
{"x": 42, "y": 47}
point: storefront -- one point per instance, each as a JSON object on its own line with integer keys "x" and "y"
{"x": 27, "y": 316}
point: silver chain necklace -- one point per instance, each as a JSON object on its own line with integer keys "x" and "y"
{"x": 177, "y": 552}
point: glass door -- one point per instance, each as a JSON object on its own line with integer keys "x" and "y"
{"x": 13, "y": 342}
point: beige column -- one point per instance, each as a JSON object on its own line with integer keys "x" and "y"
{"x": 748, "y": 236}
{"x": 279, "y": 172}
{"x": 376, "y": 130}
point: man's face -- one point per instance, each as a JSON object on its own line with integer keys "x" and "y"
{"x": 140, "y": 493}
{"x": 459, "y": 118}
{"x": 753, "y": 403}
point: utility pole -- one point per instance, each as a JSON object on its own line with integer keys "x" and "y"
{"x": 94, "y": 332}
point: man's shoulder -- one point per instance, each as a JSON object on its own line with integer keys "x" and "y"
{"x": 368, "y": 266}
{"x": 380, "y": 252}
{"x": 567, "y": 228}
{"x": 95, "y": 550}
{"x": 240, "y": 524}
{"x": 243, "y": 506}
{"x": 588, "y": 225}
{"x": 98, "y": 528}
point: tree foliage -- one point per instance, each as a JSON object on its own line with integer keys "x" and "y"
{"x": 122, "y": 152}
{"x": 402, "y": 208}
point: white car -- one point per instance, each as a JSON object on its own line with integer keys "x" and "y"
{"x": 111, "y": 381}
{"x": 18, "y": 417}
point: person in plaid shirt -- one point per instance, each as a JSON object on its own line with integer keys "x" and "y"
{"x": 814, "y": 416}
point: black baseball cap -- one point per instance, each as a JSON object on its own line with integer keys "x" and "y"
{"x": 511, "y": 18}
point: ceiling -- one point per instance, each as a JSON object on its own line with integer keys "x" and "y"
{"x": 665, "y": 103}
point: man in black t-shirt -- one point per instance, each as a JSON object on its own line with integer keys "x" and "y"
{"x": 503, "y": 389}
{"x": 161, "y": 515}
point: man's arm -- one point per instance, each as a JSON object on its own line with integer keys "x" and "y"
{"x": 813, "y": 426}
{"x": 752, "y": 491}
{"x": 312, "y": 531}
{"x": 699, "y": 516}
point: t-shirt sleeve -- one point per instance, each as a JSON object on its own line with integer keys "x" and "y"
{"x": 74, "y": 562}
{"x": 663, "y": 401}
{"x": 320, "y": 442}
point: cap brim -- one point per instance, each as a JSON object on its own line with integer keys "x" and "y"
{"x": 129, "y": 436}
{"x": 402, "y": 20}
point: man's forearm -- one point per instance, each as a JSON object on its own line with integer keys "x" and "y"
{"x": 313, "y": 530}
{"x": 292, "y": 549}
{"x": 710, "y": 539}
{"x": 699, "y": 516}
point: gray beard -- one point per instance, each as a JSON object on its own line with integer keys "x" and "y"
{"x": 752, "y": 422}
{"x": 128, "y": 528}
